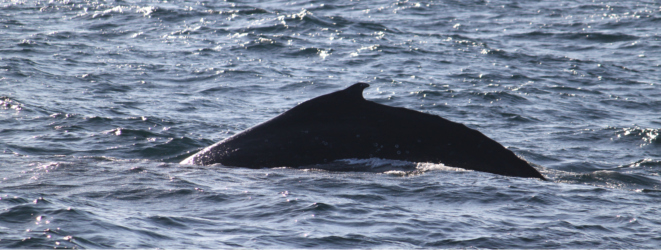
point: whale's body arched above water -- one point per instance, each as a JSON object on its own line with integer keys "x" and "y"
{"x": 343, "y": 125}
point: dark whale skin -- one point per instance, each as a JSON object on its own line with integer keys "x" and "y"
{"x": 343, "y": 125}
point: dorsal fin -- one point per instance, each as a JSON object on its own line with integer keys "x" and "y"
{"x": 349, "y": 96}
{"x": 356, "y": 91}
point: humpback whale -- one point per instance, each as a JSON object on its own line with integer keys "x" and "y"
{"x": 343, "y": 125}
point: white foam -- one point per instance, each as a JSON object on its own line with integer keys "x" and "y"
{"x": 428, "y": 166}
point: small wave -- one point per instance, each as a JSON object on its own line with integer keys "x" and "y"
{"x": 305, "y": 19}
{"x": 20, "y": 214}
{"x": 311, "y": 52}
{"x": 299, "y": 85}
{"x": 498, "y": 96}
{"x": 263, "y": 45}
{"x": 173, "y": 14}
{"x": 633, "y": 105}
{"x": 131, "y": 132}
{"x": 168, "y": 222}
{"x": 26, "y": 43}
{"x": 8, "y": 103}
{"x": 146, "y": 144}
{"x": 614, "y": 179}
{"x": 638, "y": 135}
{"x": 170, "y": 150}
{"x": 218, "y": 90}
{"x": 136, "y": 12}
{"x": 588, "y": 36}
{"x": 105, "y": 88}
{"x": 38, "y": 216}
{"x": 651, "y": 164}
{"x": 518, "y": 118}
{"x": 440, "y": 94}
{"x": 603, "y": 37}
{"x": 635, "y": 176}
{"x": 246, "y": 11}
{"x": 572, "y": 91}
{"x": 371, "y": 26}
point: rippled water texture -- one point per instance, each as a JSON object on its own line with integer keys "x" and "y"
{"x": 99, "y": 101}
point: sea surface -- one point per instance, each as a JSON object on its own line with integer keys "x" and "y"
{"x": 101, "y": 100}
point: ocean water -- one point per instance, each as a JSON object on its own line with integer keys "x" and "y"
{"x": 100, "y": 100}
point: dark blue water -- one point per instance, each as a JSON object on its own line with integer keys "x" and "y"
{"x": 99, "y": 101}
